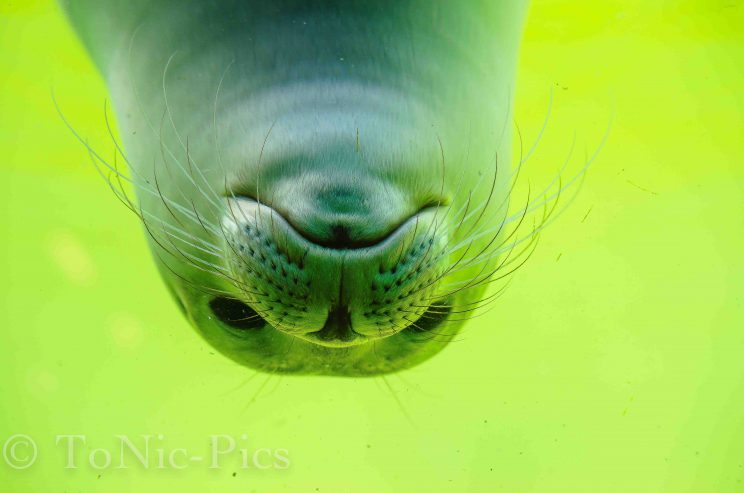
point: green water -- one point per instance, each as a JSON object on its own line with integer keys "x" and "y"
{"x": 612, "y": 363}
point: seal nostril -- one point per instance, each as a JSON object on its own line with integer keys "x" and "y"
{"x": 337, "y": 325}
{"x": 432, "y": 317}
{"x": 236, "y": 314}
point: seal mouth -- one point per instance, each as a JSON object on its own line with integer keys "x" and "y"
{"x": 341, "y": 237}
{"x": 341, "y": 296}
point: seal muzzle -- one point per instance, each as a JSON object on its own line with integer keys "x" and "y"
{"x": 333, "y": 296}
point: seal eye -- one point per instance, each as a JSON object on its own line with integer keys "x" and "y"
{"x": 433, "y": 316}
{"x": 236, "y": 314}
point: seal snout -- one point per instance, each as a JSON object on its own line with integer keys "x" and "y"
{"x": 345, "y": 278}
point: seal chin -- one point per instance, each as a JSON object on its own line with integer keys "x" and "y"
{"x": 343, "y": 212}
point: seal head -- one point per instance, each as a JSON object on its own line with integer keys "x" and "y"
{"x": 323, "y": 184}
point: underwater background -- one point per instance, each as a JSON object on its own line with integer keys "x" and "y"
{"x": 614, "y": 361}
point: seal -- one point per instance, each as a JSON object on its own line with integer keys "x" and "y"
{"x": 324, "y": 184}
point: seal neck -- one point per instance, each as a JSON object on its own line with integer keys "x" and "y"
{"x": 444, "y": 49}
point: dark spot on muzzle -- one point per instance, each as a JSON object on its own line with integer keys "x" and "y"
{"x": 236, "y": 314}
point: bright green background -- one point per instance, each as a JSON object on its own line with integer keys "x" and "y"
{"x": 614, "y": 362}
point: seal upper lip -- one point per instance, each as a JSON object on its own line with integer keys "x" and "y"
{"x": 334, "y": 298}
